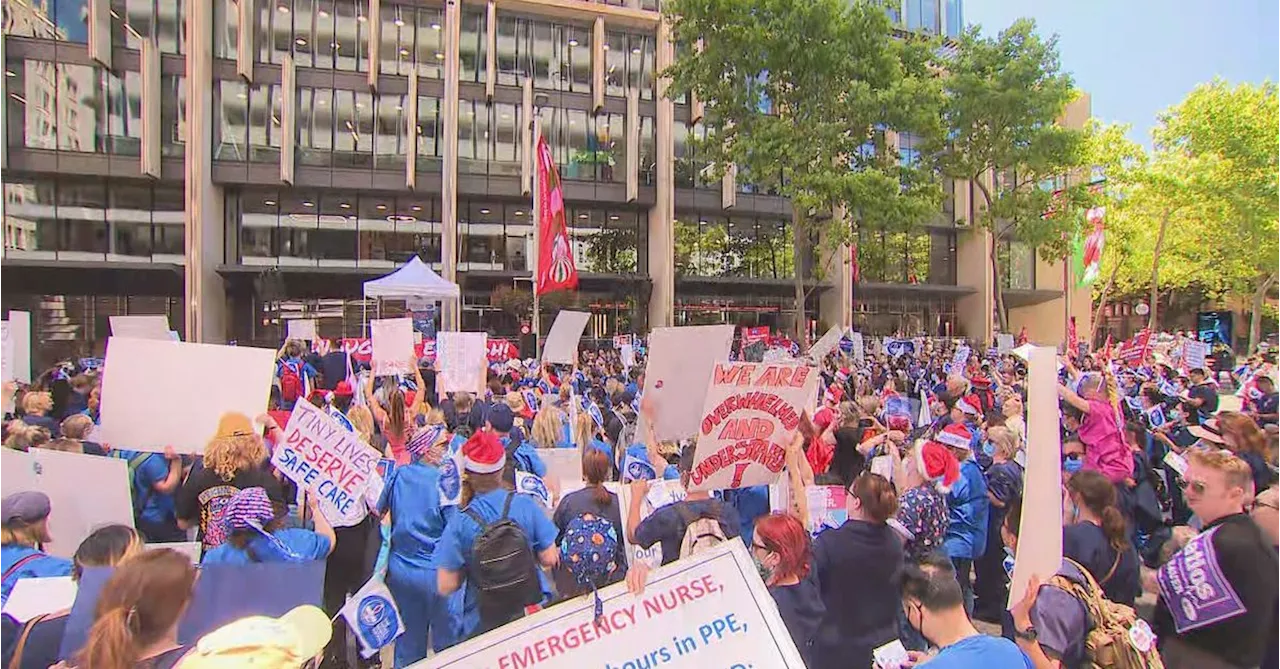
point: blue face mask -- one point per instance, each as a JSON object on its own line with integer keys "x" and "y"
{"x": 1072, "y": 465}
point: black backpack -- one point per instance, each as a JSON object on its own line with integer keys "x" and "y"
{"x": 514, "y": 440}
{"x": 503, "y": 569}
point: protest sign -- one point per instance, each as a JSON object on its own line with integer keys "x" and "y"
{"x": 638, "y": 469}
{"x": 1194, "y": 353}
{"x": 661, "y": 492}
{"x": 959, "y": 359}
{"x": 140, "y": 327}
{"x": 20, "y": 336}
{"x": 501, "y": 350}
{"x": 899, "y": 347}
{"x": 33, "y": 597}
{"x": 393, "y": 344}
{"x": 1004, "y": 343}
{"x": 749, "y": 416}
{"x": 190, "y": 549}
{"x": 533, "y": 486}
{"x": 823, "y": 346}
{"x": 711, "y": 610}
{"x": 561, "y": 346}
{"x": 859, "y": 347}
{"x": 327, "y": 460}
{"x": 147, "y": 401}
{"x": 677, "y": 374}
{"x": 450, "y": 485}
{"x": 1040, "y": 535}
{"x": 564, "y": 465}
{"x": 826, "y": 504}
{"x": 302, "y": 328}
{"x": 65, "y": 478}
{"x": 1194, "y": 588}
{"x": 462, "y": 362}
{"x": 372, "y": 615}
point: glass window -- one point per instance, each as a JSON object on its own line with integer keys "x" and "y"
{"x": 362, "y": 35}
{"x": 353, "y": 129}
{"x": 124, "y": 113}
{"x": 550, "y": 124}
{"x": 505, "y": 126}
{"x": 33, "y": 97}
{"x": 576, "y": 67}
{"x": 315, "y": 126}
{"x": 226, "y": 28}
{"x": 430, "y": 43}
{"x": 30, "y": 216}
{"x": 173, "y": 114}
{"x": 582, "y": 156}
{"x": 648, "y": 154}
{"x": 471, "y": 146}
{"x": 428, "y": 133}
{"x": 955, "y": 18}
{"x": 259, "y": 219}
{"x": 646, "y": 55}
{"x": 471, "y": 47}
{"x": 1017, "y": 264}
{"x": 942, "y": 258}
{"x": 171, "y": 26}
{"x": 82, "y": 217}
{"x": 919, "y": 264}
{"x": 509, "y": 49}
{"x": 398, "y": 27}
{"x": 80, "y": 122}
{"x": 684, "y": 157}
{"x": 230, "y": 115}
{"x": 391, "y": 132}
{"x": 347, "y": 27}
{"x": 615, "y": 60}
{"x": 304, "y": 45}
{"x": 281, "y": 29}
{"x": 167, "y": 231}
{"x": 908, "y": 154}
{"x": 324, "y": 41}
{"x": 609, "y": 241}
{"x": 130, "y": 23}
{"x": 64, "y": 20}
{"x": 542, "y": 53}
{"x": 129, "y": 221}
{"x": 264, "y": 123}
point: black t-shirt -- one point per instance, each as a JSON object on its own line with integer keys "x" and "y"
{"x": 1249, "y": 566}
{"x": 204, "y": 493}
{"x": 583, "y": 501}
{"x": 801, "y": 608}
{"x": 847, "y": 462}
{"x": 44, "y": 641}
{"x": 1205, "y": 392}
{"x": 859, "y": 558}
{"x": 667, "y": 525}
{"x": 1087, "y": 544}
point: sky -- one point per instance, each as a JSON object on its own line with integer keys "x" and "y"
{"x": 1137, "y": 58}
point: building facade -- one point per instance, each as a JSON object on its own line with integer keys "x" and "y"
{"x": 238, "y": 163}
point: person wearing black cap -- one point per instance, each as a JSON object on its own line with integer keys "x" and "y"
{"x": 1201, "y": 400}
{"x": 524, "y": 457}
{"x": 24, "y": 529}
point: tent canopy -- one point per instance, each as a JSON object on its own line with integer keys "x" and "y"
{"x": 415, "y": 279}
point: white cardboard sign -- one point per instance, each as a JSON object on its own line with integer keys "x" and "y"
{"x": 859, "y": 347}
{"x": 561, "y": 346}
{"x": 302, "y": 328}
{"x": 462, "y": 360}
{"x": 326, "y": 459}
{"x": 18, "y": 367}
{"x": 823, "y": 346}
{"x": 1004, "y": 343}
{"x": 33, "y": 597}
{"x": 565, "y": 466}
{"x": 85, "y": 492}
{"x": 392, "y": 345}
{"x": 711, "y": 610}
{"x": 1194, "y": 354}
{"x": 749, "y": 417}
{"x": 677, "y": 374}
{"x": 147, "y": 384}
{"x": 1039, "y": 549}
{"x": 140, "y": 327}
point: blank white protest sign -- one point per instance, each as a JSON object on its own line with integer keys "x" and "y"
{"x": 140, "y": 327}
{"x": 392, "y": 345}
{"x": 1040, "y": 532}
{"x": 678, "y": 374}
{"x": 85, "y": 492}
{"x": 166, "y": 393}
{"x": 561, "y": 346}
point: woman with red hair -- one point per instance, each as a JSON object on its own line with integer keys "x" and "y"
{"x": 780, "y": 548}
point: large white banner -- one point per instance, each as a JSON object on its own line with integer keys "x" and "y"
{"x": 85, "y": 492}
{"x": 141, "y": 327}
{"x": 165, "y": 393}
{"x": 302, "y": 328}
{"x": 327, "y": 460}
{"x": 1040, "y": 532}
{"x": 19, "y": 331}
{"x": 677, "y": 373}
{"x": 749, "y": 416}
{"x": 462, "y": 360}
{"x": 392, "y": 345}
{"x": 823, "y": 346}
{"x": 707, "y": 611}
{"x": 561, "y": 346}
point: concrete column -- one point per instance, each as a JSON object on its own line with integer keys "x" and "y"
{"x": 288, "y": 118}
{"x": 150, "y": 153}
{"x": 662, "y": 215}
{"x": 374, "y": 24}
{"x": 729, "y": 188}
{"x": 526, "y": 137}
{"x": 244, "y": 39}
{"x": 835, "y": 306}
{"x": 597, "y": 65}
{"x": 100, "y": 31}
{"x": 973, "y": 269}
{"x": 633, "y": 145}
{"x": 206, "y": 300}
{"x": 449, "y": 178}
{"x": 411, "y": 154}
{"x": 491, "y": 49}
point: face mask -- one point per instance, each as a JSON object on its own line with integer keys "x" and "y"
{"x": 1072, "y": 465}
{"x": 1008, "y": 562}
{"x": 765, "y": 571}
{"x": 989, "y": 449}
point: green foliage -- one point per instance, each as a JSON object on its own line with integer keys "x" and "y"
{"x": 612, "y": 251}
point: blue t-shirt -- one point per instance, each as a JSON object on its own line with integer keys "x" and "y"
{"x": 527, "y": 458}
{"x": 157, "y": 507}
{"x": 45, "y": 565}
{"x": 750, "y": 503}
{"x": 412, "y": 495}
{"x": 453, "y": 551}
{"x": 981, "y": 650}
{"x": 305, "y": 544}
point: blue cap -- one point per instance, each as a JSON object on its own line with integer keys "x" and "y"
{"x": 501, "y": 418}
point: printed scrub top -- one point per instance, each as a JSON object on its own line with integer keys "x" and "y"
{"x": 47, "y": 565}
{"x": 453, "y": 552}
{"x": 305, "y": 544}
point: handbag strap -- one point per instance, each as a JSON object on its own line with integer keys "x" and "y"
{"x": 13, "y": 568}
{"x": 1111, "y": 572}
{"x": 16, "y": 661}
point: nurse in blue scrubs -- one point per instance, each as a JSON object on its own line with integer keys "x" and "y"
{"x": 412, "y": 498}
{"x": 24, "y": 529}
{"x": 256, "y": 532}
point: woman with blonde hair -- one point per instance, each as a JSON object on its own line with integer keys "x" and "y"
{"x": 24, "y": 530}
{"x": 587, "y": 434}
{"x": 233, "y": 460}
{"x": 1013, "y": 420}
{"x": 78, "y": 427}
{"x": 362, "y": 420}
{"x": 136, "y": 618}
{"x": 24, "y": 437}
{"x": 547, "y": 428}
{"x": 36, "y": 406}
{"x": 521, "y": 410}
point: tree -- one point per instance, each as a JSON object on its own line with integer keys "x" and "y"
{"x": 799, "y": 97}
{"x": 1234, "y": 129}
{"x": 1120, "y": 161}
{"x": 1003, "y": 98}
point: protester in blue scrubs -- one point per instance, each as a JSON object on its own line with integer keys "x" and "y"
{"x": 153, "y": 480}
{"x": 500, "y": 422}
{"x": 412, "y": 498}
{"x": 484, "y": 495}
{"x": 253, "y": 525}
{"x": 24, "y": 529}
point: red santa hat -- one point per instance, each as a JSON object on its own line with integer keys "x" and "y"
{"x": 969, "y": 404}
{"x": 937, "y": 464}
{"x": 954, "y": 435}
{"x": 834, "y": 394}
{"x": 483, "y": 453}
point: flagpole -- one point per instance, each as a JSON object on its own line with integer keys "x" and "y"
{"x": 537, "y": 226}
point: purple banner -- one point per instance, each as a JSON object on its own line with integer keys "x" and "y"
{"x": 1194, "y": 588}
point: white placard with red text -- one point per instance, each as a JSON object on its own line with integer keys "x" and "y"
{"x": 749, "y": 417}
{"x": 393, "y": 345}
{"x": 327, "y": 460}
{"x": 711, "y": 610}
{"x": 462, "y": 359}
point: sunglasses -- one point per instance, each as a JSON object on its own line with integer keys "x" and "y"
{"x": 1258, "y": 504}
{"x": 1196, "y": 486}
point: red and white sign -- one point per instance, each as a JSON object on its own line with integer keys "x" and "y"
{"x": 361, "y": 348}
{"x": 502, "y": 350}
{"x": 749, "y": 417}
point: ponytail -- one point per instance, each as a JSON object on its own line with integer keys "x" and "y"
{"x": 138, "y": 606}
{"x": 111, "y": 642}
{"x": 1114, "y": 526}
{"x": 1098, "y": 494}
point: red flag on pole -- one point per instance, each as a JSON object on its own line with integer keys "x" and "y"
{"x": 555, "y": 270}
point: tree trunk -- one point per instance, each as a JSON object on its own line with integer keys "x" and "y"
{"x": 1154, "y": 319}
{"x": 1255, "y": 318}
{"x": 798, "y": 246}
{"x": 1102, "y": 302}
{"x": 997, "y": 288}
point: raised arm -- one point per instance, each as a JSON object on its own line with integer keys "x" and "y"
{"x": 1072, "y": 398}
